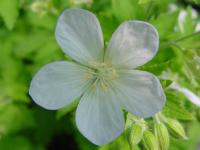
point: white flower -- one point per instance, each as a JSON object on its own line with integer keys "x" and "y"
{"x": 103, "y": 78}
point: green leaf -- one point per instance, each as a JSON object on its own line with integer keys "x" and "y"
{"x": 63, "y": 111}
{"x": 13, "y": 81}
{"x": 196, "y": 1}
{"x": 165, "y": 24}
{"x": 144, "y": 1}
{"x": 28, "y": 44}
{"x": 127, "y": 10}
{"x": 9, "y": 10}
{"x": 162, "y": 6}
{"x": 20, "y": 115}
{"x": 108, "y": 24}
{"x": 174, "y": 109}
{"x": 155, "y": 68}
{"x": 119, "y": 144}
{"x": 165, "y": 83}
{"x": 192, "y": 64}
{"x": 15, "y": 143}
{"x": 187, "y": 26}
{"x": 123, "y": 6}
{"x": 47, "y": 21}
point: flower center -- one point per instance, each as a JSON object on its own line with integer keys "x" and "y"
{"x": 103, "y": 73}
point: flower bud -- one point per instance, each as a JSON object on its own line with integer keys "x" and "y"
{"x": 162, "y": 135}
{"x": 149, "y": 140}
{"x": 134, "y": 135}
{"x": 175, "y": 128}
{"x": 39, "y": 6}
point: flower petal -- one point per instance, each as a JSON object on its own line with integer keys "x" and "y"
{"x": 140, "y": 93}
{"x": 133, "y": 44}
{"x": 58, "y": 83}
{"x": 98, "y": 116}
{"x": 79, "y": 34}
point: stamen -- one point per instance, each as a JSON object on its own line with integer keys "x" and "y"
{"x": 103, "y": 74}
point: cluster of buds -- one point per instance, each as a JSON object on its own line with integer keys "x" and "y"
{"x": 176, "y": 129}
{"x": 149, "y": 140}
{"x": 135, "y": 129}
{"x": 156, "y": 137}
{"x": 81, "y": 2}
{"x": 162, "y": 135}
{"x": 42, "y": 7}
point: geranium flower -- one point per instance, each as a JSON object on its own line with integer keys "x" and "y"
{"x": 103, "y": 78}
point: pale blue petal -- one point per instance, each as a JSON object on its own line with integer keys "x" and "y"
{"x": 58, "y": 83}
{"x": 79, "y": 34}
{"x": 133, "y": 44}
{"x": 99, "y": 117}
{"x": 140, "y": 93}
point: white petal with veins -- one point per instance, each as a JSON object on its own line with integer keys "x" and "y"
{"x": 79, "y": 34}
{"x": 140, "y": 93}
{"x": 133, "y": 44}
{"x": 58, "y": 83}
{"x": 99, "y": 117}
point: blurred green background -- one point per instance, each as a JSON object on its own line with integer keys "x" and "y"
{"x": 27, "y": 43}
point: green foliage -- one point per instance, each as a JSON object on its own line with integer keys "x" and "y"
{"x": 27, "y": 42}
{"x": 16, "y": 143}
{"x": 120, "y": 143}
{"x": 144, "y": 1}
{"x": 9, "y": 11}
{"x": 19, "y": 114}
{"x": 124, "y": 10}
{"x": 170, "y": 19}
{"x": 188, "y": 25}
{"x": 193, "y": 139}
{"x": 174, "y": 107}
{"x": 67, "y": 109}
